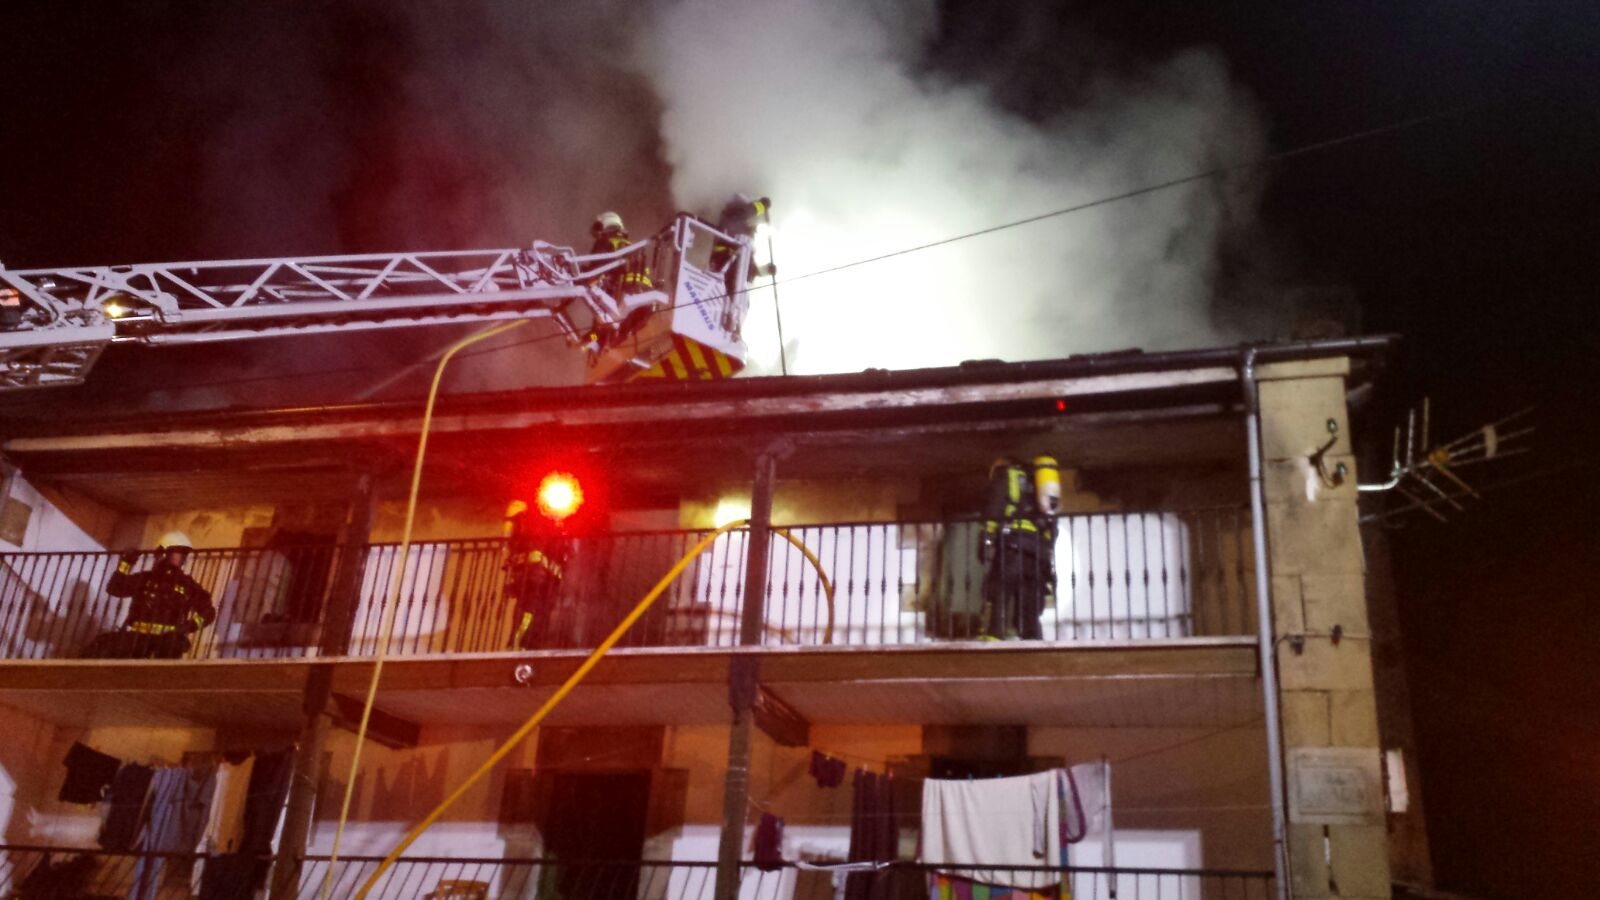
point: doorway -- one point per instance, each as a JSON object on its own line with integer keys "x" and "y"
{"x": 597, "y": 821}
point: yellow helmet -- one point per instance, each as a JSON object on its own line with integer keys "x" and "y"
{"x": 516, "y": 508}
{"x": 175, "y": 540}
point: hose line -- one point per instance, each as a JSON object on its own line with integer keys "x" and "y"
{"x": 386, "y": 629}
{"x": 538, "y": 716}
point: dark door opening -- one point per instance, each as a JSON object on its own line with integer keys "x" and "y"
{"x": 596, "y": 820}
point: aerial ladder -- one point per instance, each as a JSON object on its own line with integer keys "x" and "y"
{"x": 55, "y": 323}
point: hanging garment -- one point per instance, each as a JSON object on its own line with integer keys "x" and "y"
{"x": 241, "y": 874}
{"x": 1084, "y": 794}
{"x": 874, "y": 835}
{"x": 995, "y": 822}
{"x": 89, "y": 774}
{"x": 269, "y": 788}
{"x": 224, "y": 828}
{"x": 944, "y": 886}
{"x": 828, "y": 772}
{"x": 769, "y": 843}
{"x": 128, "y": 792}
{"x": 177, "y": 810}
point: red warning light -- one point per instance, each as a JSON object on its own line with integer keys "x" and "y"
{"x": 560, "y": 495}
{"x": 1061, "y": 406}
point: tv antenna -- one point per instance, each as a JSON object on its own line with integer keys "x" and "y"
{"x": 1430, "y": 477}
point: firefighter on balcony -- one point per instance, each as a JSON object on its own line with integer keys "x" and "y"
{"x": 167, "y": 606}
{"x": 537, "y": 547}
{"x": 1018, "y": 547}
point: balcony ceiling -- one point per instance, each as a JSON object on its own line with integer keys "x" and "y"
{"x": 651, "y": 466}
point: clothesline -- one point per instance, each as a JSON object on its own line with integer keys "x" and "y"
{"x": 831, "y": 818}
{"x": 1114, "y": 760}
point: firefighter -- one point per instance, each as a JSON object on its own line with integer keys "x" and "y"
{"x": 1018, "y": 547}
{"x": 632, "y": 276}
{"x": 167, "y": 605}
{"x": 610, "y": 235}
{"x": 739, "y": 220}
{"x": 537, "y": 549}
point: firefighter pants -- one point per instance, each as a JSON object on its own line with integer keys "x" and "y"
{"x": 533, "y": 593}
{"x": 134, "y": 645}
{"x": 1014, "y": 588}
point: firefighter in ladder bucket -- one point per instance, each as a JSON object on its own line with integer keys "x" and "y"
{"x": 739, "y": 219}
{"x": 629, "y": 277}
{"x": 1017, "y": 547}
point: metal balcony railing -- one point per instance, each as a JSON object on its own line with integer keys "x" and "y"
{"x": 27, "y": 873}
{"x": 1118, "y": 576}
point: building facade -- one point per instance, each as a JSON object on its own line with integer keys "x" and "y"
{"x": 840, "y": 628}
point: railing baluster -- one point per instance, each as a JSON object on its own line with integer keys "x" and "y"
{"x": 1119, "y": 575}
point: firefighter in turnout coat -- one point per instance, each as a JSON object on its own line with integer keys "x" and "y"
{"x": 1018, "y": 547}
{"x": 167, "y": 606}
{"x": 538, "y": 549}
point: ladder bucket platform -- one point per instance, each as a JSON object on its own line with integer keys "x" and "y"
{"x": 55, "y": 323}
{"x": 692, "y": 333}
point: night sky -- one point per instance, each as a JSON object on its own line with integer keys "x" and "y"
{"x": 1476, "y": 237}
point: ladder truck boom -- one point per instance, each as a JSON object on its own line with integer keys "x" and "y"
{"x": 55, "y": 323}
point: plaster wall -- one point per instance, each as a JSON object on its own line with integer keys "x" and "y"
{"x": 1209, "y": 782}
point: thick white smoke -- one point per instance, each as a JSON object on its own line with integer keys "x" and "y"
{"x": 821, "y": 106}
{"x": 333, "y": 129}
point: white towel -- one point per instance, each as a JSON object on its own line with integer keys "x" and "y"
{"x": 994, "y": 822}
{"x": 225, "y": 822}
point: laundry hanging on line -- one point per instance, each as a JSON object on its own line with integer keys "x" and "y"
{"x": 128, "y": 792}
{"x": 89, "y": 774}
{"x": 1020, "y": 821}
{"x": 828, "y": 771}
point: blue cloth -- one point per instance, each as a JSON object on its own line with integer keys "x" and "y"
{"x": 178, "y": 802}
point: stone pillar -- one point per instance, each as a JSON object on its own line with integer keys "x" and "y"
{"x": 743, "y": 682}
{"x": 1336, "y": 836}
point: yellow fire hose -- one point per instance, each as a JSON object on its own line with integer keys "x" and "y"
{"x": 572, "y": 681}
{"x": 533, "y": 721}
{"x": 386, "y": 629}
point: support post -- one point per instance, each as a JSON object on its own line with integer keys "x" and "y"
{"x": 344, "y": 594}
{"x": 744, "y": 679}
{"x": 303, "y": 784}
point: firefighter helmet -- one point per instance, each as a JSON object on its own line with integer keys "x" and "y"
{"x": 741, "y": 212}
{"x": 1000, "y": 463}
{"x": 607, "y": 223}
{"x": 516, "y": 508}
{"x": 175, "y": 540}
{"x": 1047, "y": 483}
